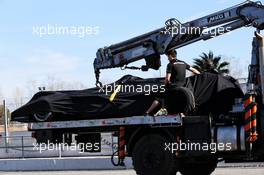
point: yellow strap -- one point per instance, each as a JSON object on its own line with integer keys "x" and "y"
{"x": 113, "y": 95}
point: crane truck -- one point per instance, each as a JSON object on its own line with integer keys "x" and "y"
{"x": 167, "y": 144}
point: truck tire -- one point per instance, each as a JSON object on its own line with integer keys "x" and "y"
{"x": 43, "y": 136}
{"x": 150, "y": 158}
{"x": 203, "y": 168}
{"x": 46, "y": 136}
{"x": 179, "y": 100}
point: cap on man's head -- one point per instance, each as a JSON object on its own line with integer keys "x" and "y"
{"x": 173, "y": 53}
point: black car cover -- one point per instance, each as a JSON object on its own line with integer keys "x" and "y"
{"x": 211, "y": 93}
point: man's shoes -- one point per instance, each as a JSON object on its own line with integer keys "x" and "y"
{"x": 182, "y": 115}
{"x": 162, "y": 111}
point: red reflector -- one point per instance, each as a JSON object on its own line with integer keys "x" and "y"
{"x": 33, "y": 134}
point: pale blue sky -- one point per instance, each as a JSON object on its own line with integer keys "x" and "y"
{"x": 25, "y": 56}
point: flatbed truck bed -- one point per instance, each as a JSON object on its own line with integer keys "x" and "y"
{"x": 169, "y": 120}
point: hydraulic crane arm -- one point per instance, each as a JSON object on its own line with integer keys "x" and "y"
{"x": 174, "y": 35}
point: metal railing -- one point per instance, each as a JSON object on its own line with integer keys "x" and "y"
{"x": 27, "y": 147}
{"x": 16, "y": 142}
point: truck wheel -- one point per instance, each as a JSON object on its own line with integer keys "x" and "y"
{"x": 43, "y": 136}
{"x": 150, "y": 158}
{"x": 203, "y": 168}
{"x": 46, "y": 136}
{"x": 42, "y": 117}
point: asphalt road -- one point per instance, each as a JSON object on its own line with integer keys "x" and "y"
{"x": 219, "y": 171}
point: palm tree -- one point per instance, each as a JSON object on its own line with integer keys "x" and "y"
{"x": 209, "y": 62}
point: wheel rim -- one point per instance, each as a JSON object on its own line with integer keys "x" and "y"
{"x": 152, "y": 159}
{"x": 42, "y": 116}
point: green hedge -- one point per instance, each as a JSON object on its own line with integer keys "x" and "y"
{"x": 2, "y": 115}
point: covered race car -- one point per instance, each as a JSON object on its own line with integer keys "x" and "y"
{"x": 202, "y": 94}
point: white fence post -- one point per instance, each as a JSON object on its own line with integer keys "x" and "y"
{"x": 6, "y": 125}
